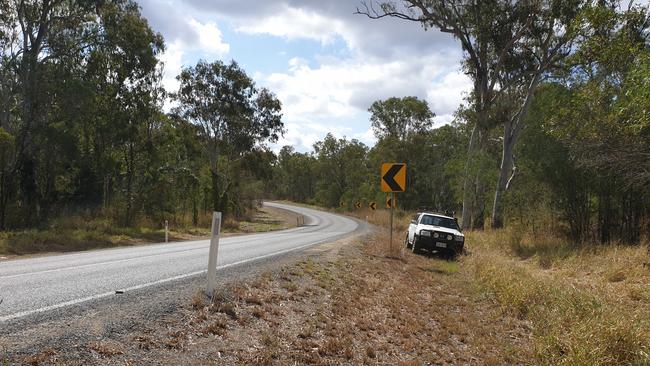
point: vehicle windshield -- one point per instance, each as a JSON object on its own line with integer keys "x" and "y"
{"x": 439, "y": 221}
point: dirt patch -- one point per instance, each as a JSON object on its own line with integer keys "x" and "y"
{"x": 342, "y": 304}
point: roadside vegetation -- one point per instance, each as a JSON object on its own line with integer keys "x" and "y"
{"x": 585, "y": 304}
{"x": 83, "y": 233}
{"x": 512, "y": 299}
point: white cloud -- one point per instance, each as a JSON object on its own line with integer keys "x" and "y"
{"x": 206, "y": 41}
{"x": 331, "y": 97}
{"x": 344, "y": 88}
{"x": 294, "y": 23}
{"x": 209, "y": 38}
{"x": 301, "y": 138}
{"x": 445, "y": 96}
{"x": 367, "y": 137}
{"x": 173, "y": 61}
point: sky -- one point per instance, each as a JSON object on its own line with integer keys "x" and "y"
{"x": 325, "y": 63}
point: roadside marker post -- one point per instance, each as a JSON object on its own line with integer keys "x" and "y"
{"x": 391, "y": 201}
{"x": 214, "y": 252}
{"x": 166, "y": 231}
{"x": 393, "y": 179}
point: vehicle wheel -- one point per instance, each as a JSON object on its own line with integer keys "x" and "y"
{"x": 406, "y": 241}
{"x": 414, "y": 246}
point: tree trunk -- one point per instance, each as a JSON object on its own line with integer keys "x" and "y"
{"x": 507, "y": 165}
{"x": 129, "y": 186}
{"x": 467, "y": 191}
{"x": 3, "y": 201}
{"x": 216, "y": 197}
{"x": 511, "y": 132}
{"x": 195, "y": 210}
{"x": 478, "y": 204}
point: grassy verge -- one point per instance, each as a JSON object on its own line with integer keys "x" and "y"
{"x": 74, "y": 234}
{"x": 588, "y": 306}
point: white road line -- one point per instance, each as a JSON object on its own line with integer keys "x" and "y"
{"x": 148, "y": 284}
{"x": 129, "y": 259}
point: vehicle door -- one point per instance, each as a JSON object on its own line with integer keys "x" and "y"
{"x": 412, "y": 226}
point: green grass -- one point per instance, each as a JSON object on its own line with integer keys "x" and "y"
{"x": 443, "y": 267}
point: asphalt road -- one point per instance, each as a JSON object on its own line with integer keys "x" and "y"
{"x": 36, "y": 285}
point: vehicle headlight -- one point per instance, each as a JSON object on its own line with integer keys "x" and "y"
{"x": 459, "y": 238}
{"x": 425, "y": 233}
{"x": 450, "y": 237}
{"x": 435, "y": 235}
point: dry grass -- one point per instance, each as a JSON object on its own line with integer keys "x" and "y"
{"x": 362, "y": 307}
{"x": 105, "y": 349}
{"x": 77, "y": 233}
{"x": 45, "y": 356}
{"x": 587, "y": 305}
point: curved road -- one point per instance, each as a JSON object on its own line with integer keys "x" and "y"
{"x": 35, "y": 285}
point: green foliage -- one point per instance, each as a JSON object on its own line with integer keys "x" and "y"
{"x": 399, "y": 118}
{"x": 343, "y": 171}
{"x": 295, "y": 175}
{"x": 82, "y": 128}
{"x": 233, "y": 117}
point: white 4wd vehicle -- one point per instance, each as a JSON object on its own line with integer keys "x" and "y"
{"x": 435, "y": 232}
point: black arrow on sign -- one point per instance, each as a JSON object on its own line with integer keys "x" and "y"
{"x": 389, "y": 177}
{"x": 373, "y": 206}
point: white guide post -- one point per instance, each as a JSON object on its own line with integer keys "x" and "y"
{"x": 166, "y": 231}
{"x": 214, "y": 252}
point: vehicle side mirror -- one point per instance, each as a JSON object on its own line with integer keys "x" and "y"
{"x": 414, "y": 222}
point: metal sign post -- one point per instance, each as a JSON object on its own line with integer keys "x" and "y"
{"x": 392, "y": 211}
{"x": 214, "y": 252}
{"x": 393, "y": 179}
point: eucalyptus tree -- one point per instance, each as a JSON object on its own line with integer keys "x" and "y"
{"x": 604, "y": 124}
{"x": 40, "y": 30}
{"x": 509, "y": 46}
{"x": 233, "y": 115}
{"x": 343, "y": 171}
{"x": 295, "y": 174}
{"x": 400, "y": 118}
{"x": 61, "y": 62}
